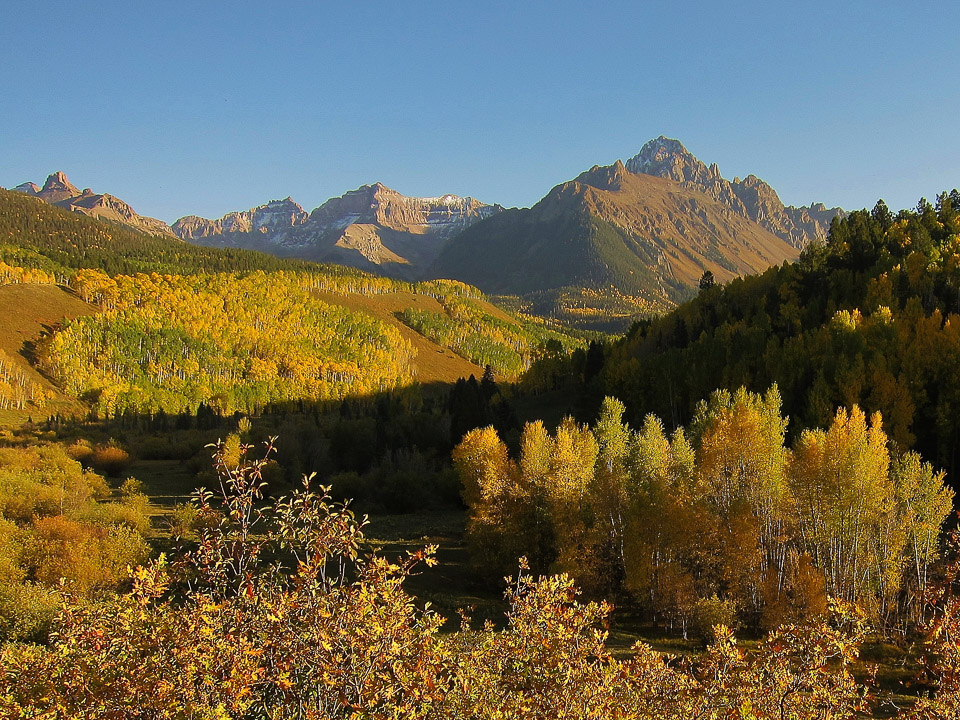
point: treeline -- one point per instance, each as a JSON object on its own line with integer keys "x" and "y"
{"x": 720, "y": 522}
{"x": 870, "y": 318}
{"x": 276, "y": 613}
{"x": 232, "y": 342}
{"x": 12, "y": 275}
{"x": 605, "y": 310}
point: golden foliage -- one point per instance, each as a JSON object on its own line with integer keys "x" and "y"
{"x": 334, "y": 635}
{"x": 734, "y": 518}
{"x": 235, "y": 342}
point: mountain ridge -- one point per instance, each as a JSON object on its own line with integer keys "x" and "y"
{"x": 647, "y": 236}
{"x": 59, "y": 191}
{"x": 373, "y": 227}
{"x": 645, "y": 229}
{"x": 751, "y": 197}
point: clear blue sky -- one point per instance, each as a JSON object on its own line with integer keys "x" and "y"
{"x": 207, "y": 107}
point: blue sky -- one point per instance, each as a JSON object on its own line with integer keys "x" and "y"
{"x": 207, "y": 107}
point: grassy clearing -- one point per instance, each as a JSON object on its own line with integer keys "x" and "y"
{"x": 434, "y": 363}
{"x": 28, "y": 312}
{"x": 449, "y": 586}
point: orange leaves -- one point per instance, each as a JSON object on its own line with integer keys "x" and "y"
{"x": 318, "y": 632}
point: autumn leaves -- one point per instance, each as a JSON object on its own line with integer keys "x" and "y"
{"x": 728, "y": 523}
{"x": 234, "y": 342}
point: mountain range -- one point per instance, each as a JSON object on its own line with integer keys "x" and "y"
{"x": 373, "y": 228}
{"x": 751, "y": 197}
{"x": 647, "y": 229}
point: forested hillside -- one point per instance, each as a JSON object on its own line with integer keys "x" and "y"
{"x": 171, "y": 336}
{"x": 34, "y": 234}
{"x": 236, "y": 343}
{"x": 869, "y": 318}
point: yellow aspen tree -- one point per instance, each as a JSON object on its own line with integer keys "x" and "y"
{"x": 923, "y": 504}
{"x": 660, "y": 510}
{"x": 839, "y": 479}
{"x": 741, "y": 469}
{"x": 495, "y": 498}
{"x": 571, "y": 473}
{"x": 608, "y": 491}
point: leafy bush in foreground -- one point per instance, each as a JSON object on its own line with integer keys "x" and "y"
{"x": 275, "y": 614}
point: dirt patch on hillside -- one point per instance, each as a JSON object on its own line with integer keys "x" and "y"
{"x": 26, "y": 313}
{"x": 434, "y": 363}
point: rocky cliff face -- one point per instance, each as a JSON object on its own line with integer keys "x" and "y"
{"x": 379, "y": 205}
{"x": 751, "y": 197}
{"x": 372, "y": 227}
{"x": 272, "y": 219}
{"x": 58, "y": 190}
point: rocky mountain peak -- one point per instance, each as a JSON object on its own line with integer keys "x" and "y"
{"x": 59, "y": 191}
{"x": 751, "y": 197}
{"x": 288, "y": 203}
{"x": 668, "y": 158}
{"x": 58, "y": 188}
{"x": 58, "y": 181}
{"x": 273, "y": 217}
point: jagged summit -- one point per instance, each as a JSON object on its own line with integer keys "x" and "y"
{"x": 57, "y": 183}
{"x": 668, "y": 158}
{"x": 272, "y": 217}
{"x": 58, "y": 190}
{"x": 751, "y": 197}
{"x": 373, "y": 227}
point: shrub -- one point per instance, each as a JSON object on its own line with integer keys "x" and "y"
{"x": 27, "y": 611}
{"x": 711, "y": 612}
{"x": 110, "y": 459}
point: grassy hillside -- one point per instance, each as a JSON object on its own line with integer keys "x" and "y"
{"x": 434, "y": 362}
{"x": 27, "y": 312}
